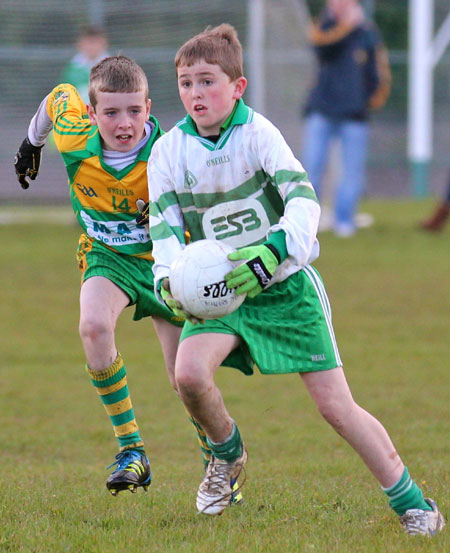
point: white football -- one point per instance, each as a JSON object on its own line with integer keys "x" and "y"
{"x": 197, "y": 280}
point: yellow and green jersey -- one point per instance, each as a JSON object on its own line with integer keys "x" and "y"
{"x": 103, "y": 198}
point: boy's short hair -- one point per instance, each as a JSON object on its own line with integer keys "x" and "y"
{"x": 116, "y": 74}
{"x": 92, "y": 31}
{"x": 216, "y": 45}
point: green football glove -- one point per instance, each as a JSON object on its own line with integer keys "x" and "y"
{"x": 175, "y": 305}
{"x": 26, "y": 162}
{"x": 143, "y": 218}
{"x": 252, "y": 277}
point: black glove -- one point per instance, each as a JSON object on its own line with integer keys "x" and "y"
{"x": 26, "y": 162}
{"x": 142, "y": 218}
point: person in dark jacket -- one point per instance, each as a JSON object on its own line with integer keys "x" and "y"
{"x": 353, "y": 78}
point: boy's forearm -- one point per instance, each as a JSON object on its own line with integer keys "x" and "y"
{"x": 40, "y": 125}
{"x": 166, "y": 245}
{"x": 164, "y": 252}
{"x": 300, "y": 223}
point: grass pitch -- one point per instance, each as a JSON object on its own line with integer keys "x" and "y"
{"x": 306, "y": 491}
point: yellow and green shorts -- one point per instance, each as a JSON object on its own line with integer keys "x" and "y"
{"x": 133, "y": 275}
{"x": 284, "y": 329}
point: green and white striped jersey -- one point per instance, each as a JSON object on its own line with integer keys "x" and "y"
{"x": 239, "y": 190}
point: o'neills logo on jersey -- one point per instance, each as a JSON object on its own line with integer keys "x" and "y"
{"x": 189, "y": 180}
{"x": 218, "y": 161}
{"x": 120, "y": 191}
{"x": 61, "y": 96}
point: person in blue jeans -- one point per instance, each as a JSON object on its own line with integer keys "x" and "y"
{"x": 353, "y": 78}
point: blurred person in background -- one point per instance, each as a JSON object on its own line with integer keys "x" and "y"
{"x": 353, "y": 78}
{"x": 439, "y": 217}
{"x": 92, "y": 47}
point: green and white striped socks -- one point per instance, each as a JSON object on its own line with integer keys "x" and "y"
{"x": 406, "y": 494}
{"x": 230, "y": 449}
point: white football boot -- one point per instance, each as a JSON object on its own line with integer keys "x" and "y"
{"x": 215, "y": 491}
{"x": 419, "y": 522}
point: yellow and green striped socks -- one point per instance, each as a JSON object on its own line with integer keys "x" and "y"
{"x": 201, "y": 437}
{"x": 111, "y": 385}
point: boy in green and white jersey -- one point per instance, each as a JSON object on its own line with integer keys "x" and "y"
{"x": 226, "y": 173}
{"x": 105, "y": 147}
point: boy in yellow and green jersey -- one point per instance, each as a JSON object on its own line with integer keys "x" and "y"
{"x": 105, "y": 147}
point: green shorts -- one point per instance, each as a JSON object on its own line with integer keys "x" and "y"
{"x": 133, "y": 275}
{"x": 285, "y": 329}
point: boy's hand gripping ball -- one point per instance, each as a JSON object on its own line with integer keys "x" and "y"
{"x": 197, "y": 280}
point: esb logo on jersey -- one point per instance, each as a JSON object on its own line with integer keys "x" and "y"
{"x": 239, "y": 222}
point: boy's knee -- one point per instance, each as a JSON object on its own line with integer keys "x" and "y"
{"x": 336, "y": 412}
{"x": 189, "y": 379}
{"x": 92, "y": 328}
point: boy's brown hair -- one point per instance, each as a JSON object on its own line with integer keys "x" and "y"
{"x": 216, "y": 45}
{"x": 116, "y": 74}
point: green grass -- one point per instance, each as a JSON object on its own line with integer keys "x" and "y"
{"x": 306, "y": 491}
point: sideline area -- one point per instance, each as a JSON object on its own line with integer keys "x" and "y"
{"x": 22, "y": 215}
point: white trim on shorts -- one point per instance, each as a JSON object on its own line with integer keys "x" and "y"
{"x": 325, "y": 304}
